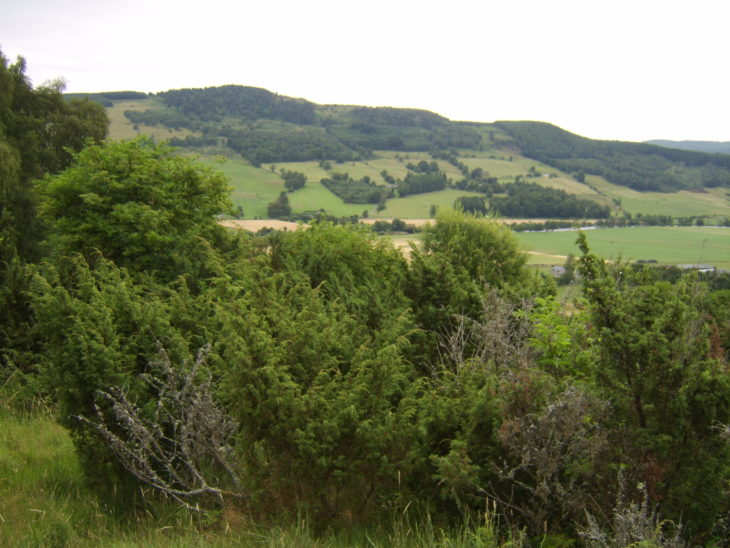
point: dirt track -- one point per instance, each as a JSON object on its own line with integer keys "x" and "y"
{"x": 258, "y": 224}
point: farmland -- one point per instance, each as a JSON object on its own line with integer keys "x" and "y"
{"x": 667, "y": 245}
{"x": 255, "y": 187}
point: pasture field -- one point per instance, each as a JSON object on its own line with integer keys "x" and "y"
{"x": 417, "y": 206}
{"x": 395, "y": 163}
{"x": 677, "y": 204}
{"x": 383, "y": 160}
{"x": 711, "y": 201}
{"x": 315, "y": 196}
{"x": 667, "y": 245}
{"x": 253, "y": 188}
{"x": 310, "y": 169}
{"x": 497, "y": 163}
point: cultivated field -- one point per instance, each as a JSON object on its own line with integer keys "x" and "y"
{"x": 712, "y": 201}
{"x": 419, "y": 205}
{"x": 668, "y": 245}
{"x": 120, "y": 128}
{"x": 253, "y": 188}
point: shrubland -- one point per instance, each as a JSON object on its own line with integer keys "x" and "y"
{"x": 322, "y": 378}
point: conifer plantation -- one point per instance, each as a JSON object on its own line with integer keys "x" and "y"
{"x": 316, "y": 387}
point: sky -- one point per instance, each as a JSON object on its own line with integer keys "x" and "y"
{"x": 605, "y": 69}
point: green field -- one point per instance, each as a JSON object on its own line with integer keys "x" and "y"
{"x": 418, "y": 206}
{"x": 253, "y": 188}
{"x": 314, "y": 196}
{"x": 667, "y": 245}
{"x": 392, "y": 162}
{"x": 711, "y": 201}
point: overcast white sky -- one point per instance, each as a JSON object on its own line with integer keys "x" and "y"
{"x": 606, "y": 69}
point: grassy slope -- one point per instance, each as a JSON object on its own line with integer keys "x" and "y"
{"x": 670, "y": 245}
{"x": 44, "y": 501}
{"x": 418, "y": 206}
{"x": 715, "y": 201}
{"x": 253, "y": 188}
{"x": 121, "y": 128}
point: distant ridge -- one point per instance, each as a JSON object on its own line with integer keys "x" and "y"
{"x": 267, "y": 128}
{"x": 712, "y": 147}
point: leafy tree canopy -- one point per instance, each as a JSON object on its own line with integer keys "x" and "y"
{"x": 485, "y": 249}
{"x": 38, "y": 132}
{"x": 138, "y": 203}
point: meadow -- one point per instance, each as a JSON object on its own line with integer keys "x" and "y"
{"x": 252, "y": 188}
{"x": 711, "y": 201}
{"x": 45, "y": 501}
{"x": 666, "y": 245}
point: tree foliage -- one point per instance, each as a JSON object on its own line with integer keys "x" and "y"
{"x": 533, "y": 200}
{"x": 293, "y": 180}
{"x": 280, "y": 207}
{"x": 140, "y": 204}
{"x": 654, "y": 363}
{"x": 363, "y": 191}
{"x": 39, "y": 131}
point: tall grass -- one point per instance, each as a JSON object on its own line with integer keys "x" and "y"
{"x": 45, "y": 501}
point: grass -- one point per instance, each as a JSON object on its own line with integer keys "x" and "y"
{"x": 714, "y": 201}
{"x": 44, "y": 501}
{"x": 383, "y": 160}
{"x": 418, "y": 206}
{"x": 667, "y": 245}
{"x": 253, "y": 188}
{"x": 315, "y": 196}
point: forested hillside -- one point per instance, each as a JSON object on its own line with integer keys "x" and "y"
{"x": 711, "y": 147}
{"x": 266, "y": 127}
{"x": 636, "y": 165}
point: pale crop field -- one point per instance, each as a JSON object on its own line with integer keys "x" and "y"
{"x": 120, "y": 128}
{"x": 499, "y": 166}
{"x": 310, "y": 169}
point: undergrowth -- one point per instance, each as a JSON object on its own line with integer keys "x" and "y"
{"x": 45, "y": 501}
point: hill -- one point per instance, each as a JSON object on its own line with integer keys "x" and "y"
{"x": 261, "y": 132}
{"x": 265, "y": 127}
{"x": 639, "y": 166}
{"x": 711, "y": 147}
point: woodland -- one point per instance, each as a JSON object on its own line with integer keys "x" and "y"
{"x": 320, "y": 376}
